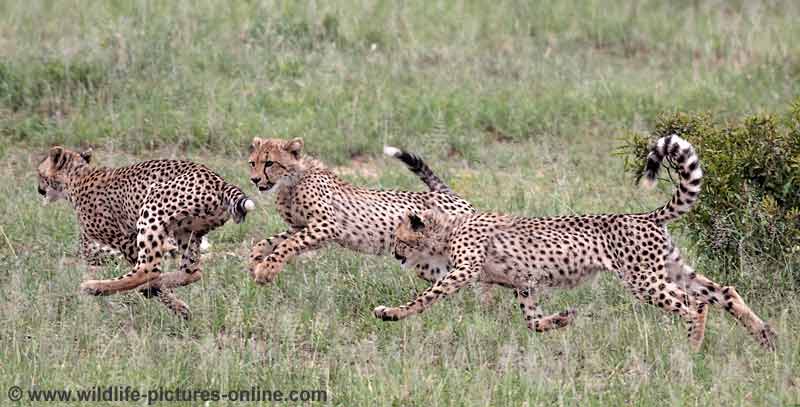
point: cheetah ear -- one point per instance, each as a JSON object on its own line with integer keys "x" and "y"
{"x": 294, "y": 146}
{"x": 256, "y": 143}
{"x": 57, "y": 157}
{"x": 416, "y": 222}
{"x": 87, "y": 156}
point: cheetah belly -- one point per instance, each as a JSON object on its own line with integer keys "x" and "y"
{"x": 497, "y": 270}
{"x": 548, "y": 264}
{"x": 431, "y": 269}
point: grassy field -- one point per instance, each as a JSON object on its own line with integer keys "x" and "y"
{"x": 517, "y": 103}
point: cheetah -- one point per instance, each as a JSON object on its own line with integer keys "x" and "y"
{"x": 534, "y": 255}
{"x": 319, "y": 207}
{"x": 142, "y": 211}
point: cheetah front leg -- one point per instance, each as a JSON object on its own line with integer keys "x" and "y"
{"x": 461, "y": 275}
{"x": 310, "y": 237}
{"x": 264, "y": 248}
{"x": 95, "y": 253}
{"x": 532, "y": 313}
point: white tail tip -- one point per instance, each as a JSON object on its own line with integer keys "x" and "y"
{"x": 647, "y": 183}
{"x": 249, "y": 205}
{"x": 392, "y": 151}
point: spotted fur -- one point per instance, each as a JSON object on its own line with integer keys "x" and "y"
{"x": 320, "y": 208}
{"x": 142, "y": 211}
{"x": 534, "y": 255}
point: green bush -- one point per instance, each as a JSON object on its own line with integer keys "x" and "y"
{"x": 749, "y": 207}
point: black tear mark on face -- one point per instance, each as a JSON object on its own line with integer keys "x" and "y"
{"x": 416, "y": 223}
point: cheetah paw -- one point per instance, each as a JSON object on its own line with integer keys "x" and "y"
{"x": 92, "y": 287}
{"x": 265, "y": 272}
{"x": 182, "y": 310}
{"x": 768, "y": 338}
{"x": 565, "y": 317}
{"x": 257, "y": 255}
{"x": 385, "y": 313}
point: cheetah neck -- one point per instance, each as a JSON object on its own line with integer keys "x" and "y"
{"x": 311, "y": 163}
{"x": 444, "y": 230}
{"x": 77, "y": 177}
{"x": 442, "y": 225}
{"x": 298, "y": 171}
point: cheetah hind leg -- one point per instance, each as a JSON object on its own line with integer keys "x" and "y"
{"x": 167, "y": 298}
{"x": 704, "y": 291}
{"x": 532, "y": 313}
{"x": 150, "y": 241}
{"x": 132, "y": 279}
{"x": 189, "y": 271}
{"x": 485, "y": 294}
{"x": 728, "y": 298}
{"x": 671, "y": 298}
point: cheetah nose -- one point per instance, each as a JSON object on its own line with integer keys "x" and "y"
{"x": 399, "y": 257}
{"x": 255, "y": 180}
{"x": 42, "y": 191}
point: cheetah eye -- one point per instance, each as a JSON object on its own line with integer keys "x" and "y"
{"x": 268, "y": 163}
{"x": 252, "y": 164}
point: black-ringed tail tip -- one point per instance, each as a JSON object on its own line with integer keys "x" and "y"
{"x": 682, "y": 154}
{"x": 418, "y": 166}
{"x": 241, "y": 207}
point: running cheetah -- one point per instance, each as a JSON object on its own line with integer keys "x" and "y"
{"x": 533, "y": 255}
{"x": 142, "y": 211}
{"x": 320, "y": 208}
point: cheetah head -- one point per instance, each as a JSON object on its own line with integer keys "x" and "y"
{"x": 54, "y": 170}
{"x": 274, "y": 161}
{"x": 421, "y": 239}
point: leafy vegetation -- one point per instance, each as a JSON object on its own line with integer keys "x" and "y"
{"x": 750, "y": 204}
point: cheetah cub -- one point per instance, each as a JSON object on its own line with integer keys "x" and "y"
{"x": 320, "y": 208}
{"x": 142, "y": 211}
{"x": 533, "y": 255}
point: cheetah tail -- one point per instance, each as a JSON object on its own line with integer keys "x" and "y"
{"x": 237, "y": 202}
{"x": 680, "y": 152}
{"x": 418, "y": 167}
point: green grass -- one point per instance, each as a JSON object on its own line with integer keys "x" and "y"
{"x": 519, "y": 104}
